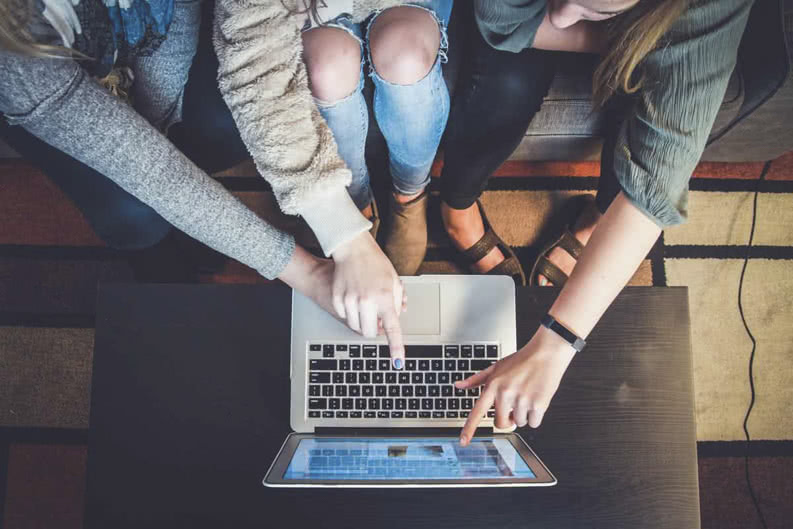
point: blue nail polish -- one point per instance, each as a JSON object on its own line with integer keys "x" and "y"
{"x": 397, "y": 363}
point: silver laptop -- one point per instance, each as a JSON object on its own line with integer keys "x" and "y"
{"x": 358, "y": 422}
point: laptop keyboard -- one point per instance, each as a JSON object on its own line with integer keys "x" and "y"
{"x": 358, "y": 381}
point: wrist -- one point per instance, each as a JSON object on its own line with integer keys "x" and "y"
{"x": 352, "y": 247}
{"x": 547, "y": 340}
{"x": 301, "y": 269}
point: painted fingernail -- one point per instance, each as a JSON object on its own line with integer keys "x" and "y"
{"x": 543, "y": 281}
{"x": 397, "y": 363}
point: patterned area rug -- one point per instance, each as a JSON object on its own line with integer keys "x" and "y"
{"x": 51, "y": 262}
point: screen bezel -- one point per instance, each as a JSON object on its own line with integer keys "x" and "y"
{"x": 274, "y": 476}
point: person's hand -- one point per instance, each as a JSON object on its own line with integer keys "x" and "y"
{"x": 367, "y": 292}
{"x": 521, "y": 385}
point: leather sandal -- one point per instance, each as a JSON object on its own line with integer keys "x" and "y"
{"x": 510, "y": 266}
{"x": 567, "y": 242}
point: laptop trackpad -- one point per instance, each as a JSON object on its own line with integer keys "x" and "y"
{"x": 423, "y": 315}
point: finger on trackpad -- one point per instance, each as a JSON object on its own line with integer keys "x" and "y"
{"x": 423, "y": 315}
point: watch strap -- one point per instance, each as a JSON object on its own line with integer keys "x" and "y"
{"x": 566, "y": 334}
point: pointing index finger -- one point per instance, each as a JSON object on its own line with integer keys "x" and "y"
{"x": 477, "y": 414}
{"x": 393, "y": 333}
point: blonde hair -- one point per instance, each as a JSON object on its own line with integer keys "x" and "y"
{"x": 632, "y": 36}
{"x": 15, "y": 17}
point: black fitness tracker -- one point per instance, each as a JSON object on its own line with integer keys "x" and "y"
{"x": 567, "y": 335}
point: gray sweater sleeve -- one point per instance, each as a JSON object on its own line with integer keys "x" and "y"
{"x": 661, "y": 142}
{"x": 56, "y": 101}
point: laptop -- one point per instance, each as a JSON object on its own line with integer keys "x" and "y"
{"x": 358, "y": 422}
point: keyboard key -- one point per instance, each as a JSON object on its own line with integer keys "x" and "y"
{"x": 437, "y": 365}
{"x": 327, "y": 391}
{"x": 401, "y": 404}
{"x": 384, "y": 351}
{"x": 355, "y": 351}
{"x": 388, "y": 404}
{"x": 434, "y": 391}
{"x": 438, "y": 415}
{"x": 426, "y": 404}
{"x": 417, "y": 378}
{"x": 344, "y": 365}
{"x": 377, "y": 378}
{"x": 479, "y": 351}
{"x": 315, "y": 347}
{"x": 393, "y": 391}
{"x": 459, "y": 392}
{"x": 370, "y": 351}
{"x": 313, "y": 390}
{"x": 446, "y": 391}
{"x": 357, "y": 365}
{"x": 444, "y": 378}
{"x": 374, "y": 404}
{"x": 384, "y": 365}
{"x": 327, "y": 414}
{"x": 451, "y": 414}
{"x": 492, "y": 351}
{"x": 430, "y": 378}
{"x": 390, "y": 378}
{"x": 480, "y": 365}
{"x": 467, "y": 404}
{"x": 341, "y": 347}
{"x": 413, "y": 404}
{"x": 411, "y": 414}
{"x": 319, "y": 378}
{"x": 425, "y": 415}
{"x": 491, "y": 413}
{"x": 360, "y": 404}
{"x": 457, "y": 377}
{"x": 451, "y": 351}
{"x": 397, "y": 414}
{"x": 371, "y": 365}
{"x": 383, "y": 415}
{"x": 453, "y": 404}
{"x": 314, "y": 414}
{"x": 404, "y": 378}
{"x": 466, "y": 351}
{"x": 367, "y": 391}
{"x": 380, "y": 391}
{"x": 338, "y": 377}
{"x": 421, "y": 391}
{"x": 424, "y": 365}
{"x": 347, "y": 404}
{"x": 327, "y": 351}
{"x": 355, "y": 391}
{"x": 355, "y": 415}
{"x": 410, "y": 365}
{"x": 464, "y": 414}
{"x": 469, "y": 374}
{"x": 440, "y": 404}
{"x": 351, "y": 378}
{"x": 364, "y": 378}
{"x": 334, "y": 404}
{"x": 473, "y": 392}
{"x": 341, "y": 391}
{"x": 370, "y": 414}
{"x": 463, "y": 365}
{"x": 423, "y": 351}
{"x": 407, "y": 391}
{"x": 341, "y": 414}
{"x": 449, "y": 365}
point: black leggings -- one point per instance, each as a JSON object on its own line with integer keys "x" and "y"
{"x": 498, "y": 94}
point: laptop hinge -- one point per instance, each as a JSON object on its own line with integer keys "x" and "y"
{"x": 362, "y": 432}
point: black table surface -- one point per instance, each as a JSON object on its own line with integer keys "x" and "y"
{"x": 190, "y": 404}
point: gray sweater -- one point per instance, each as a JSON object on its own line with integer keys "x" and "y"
{"x": 685, "y": 79}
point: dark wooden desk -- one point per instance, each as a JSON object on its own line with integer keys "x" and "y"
{"x": 190, "y": 404}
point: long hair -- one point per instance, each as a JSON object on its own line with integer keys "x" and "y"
{"x": 15, "y": 17}
{"x": 632, "y": 36}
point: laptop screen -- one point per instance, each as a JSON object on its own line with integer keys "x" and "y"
{"x": 396, "y": 458}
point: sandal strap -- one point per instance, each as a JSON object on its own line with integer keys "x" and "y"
{"x": 570, "y": 244}
{"x": 481, "y": 247}
{"x": 554, "y": 274}
{"x": 508, "y": 267}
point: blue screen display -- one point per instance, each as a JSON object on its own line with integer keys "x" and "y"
{"x": 406, "y": 459}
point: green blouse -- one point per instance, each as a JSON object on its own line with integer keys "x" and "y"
{"x": 685, "y": 78}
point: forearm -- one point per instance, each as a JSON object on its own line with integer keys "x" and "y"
{"x": 621, "y": 240}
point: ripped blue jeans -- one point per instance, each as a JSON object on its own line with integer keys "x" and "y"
{"x": 411, "y": 117}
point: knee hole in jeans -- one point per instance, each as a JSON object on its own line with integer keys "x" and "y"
{"x": 404, "y": 43}
{"x": 333, "y": 62}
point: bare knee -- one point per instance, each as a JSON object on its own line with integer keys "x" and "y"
{"x": 333, "y": 62}
{"x": 404, "y": 43}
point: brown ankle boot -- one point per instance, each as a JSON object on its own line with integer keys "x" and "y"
{"x": 406, "y": 238}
